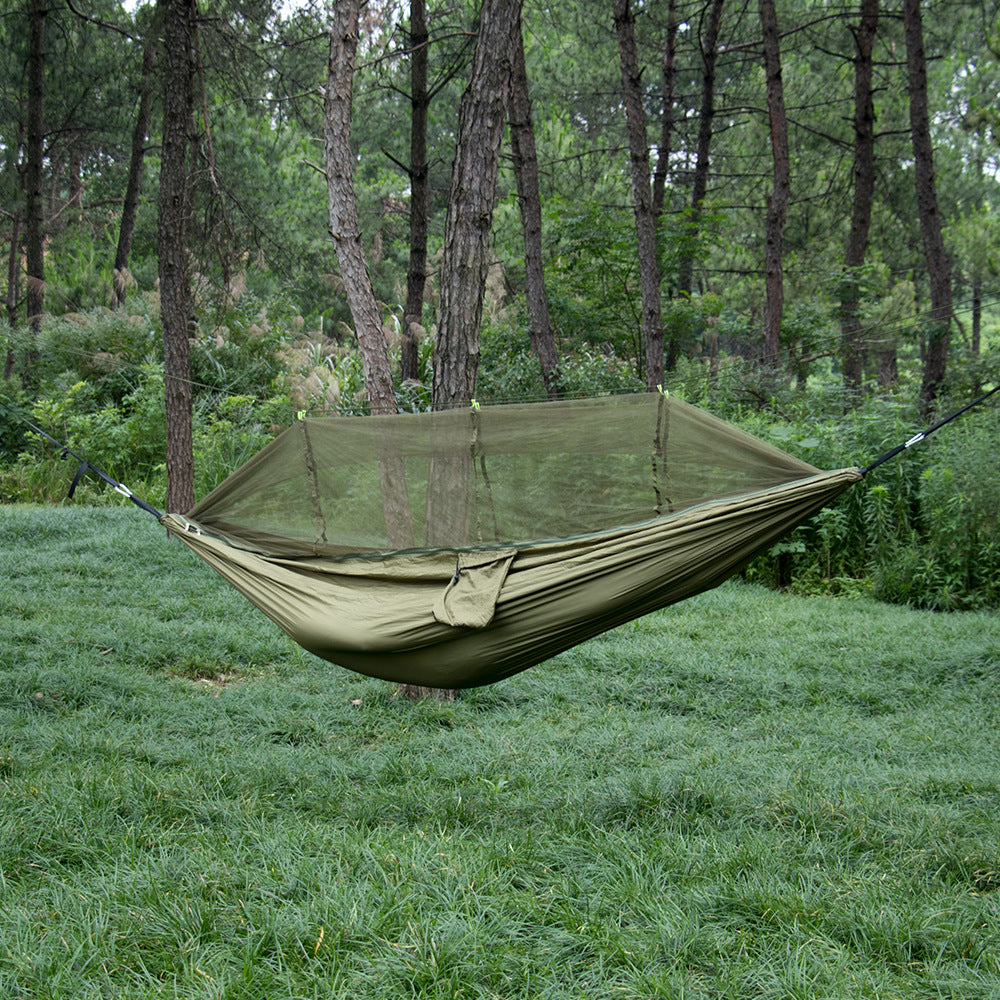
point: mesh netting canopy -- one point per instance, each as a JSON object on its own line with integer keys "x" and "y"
{"x": 504, "y": 475}
{"x": 453, "y": 549}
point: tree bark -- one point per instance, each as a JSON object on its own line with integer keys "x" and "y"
{"x": 346, "y": 232}
{"x": 10, "y": 361}
{"x": 778, "y": 205}
{"x": 130, "y": 203}
{"x": 853, "y": 350}
{"x": 172, "y": 237}
{"x": 33, "y": 221}
{"x": 470, "y": 205}
{"x": 938, "y": 264}
{"x": 13, "y": 267}
{"x": 416, "y": 275}
{"x": 344, "y": 226}
{"x": 977, "y": 311}
{"x": 525, "y": 159}
{"x": 667, "y": 121}
{"x": 642, "y": 196}
{"x": 699, "y": 187}
{"x": 464, "y": 265}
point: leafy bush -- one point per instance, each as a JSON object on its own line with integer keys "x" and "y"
{"x": 921, "y": 529}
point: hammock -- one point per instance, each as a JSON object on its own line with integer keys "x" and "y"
{"x": 457, "y": 548}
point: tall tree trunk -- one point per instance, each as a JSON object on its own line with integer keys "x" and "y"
{"x": 465, "y": 262}
{"x": 938, "y": 264}
{"x": 977, "y": 310}
{"x": 13, "y": 267}
{"x": 642, "y": 195}
{"x": 853, "y": 349}
{"x": 344, "y": 226}
{"x": 777, "y": 208}
{"x": 470, "y": 205}
{"x": 13, "y": 259}
{"x": 33, "y": 222}
{"x": 525, "y": 159}
{"x": 699, "y": 187}
{"x": 346, "y": 232}
{"x": 667, "y": 121}
{"x": 174, "y": 212}
{"x": 130, "y": 204}
{"x": 416, "y": 275}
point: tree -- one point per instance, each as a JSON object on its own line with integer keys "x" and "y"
{"x": 938, "y": 264}
{"x": 642, "y": 195}
{"x": 777, "y": 208}
{"x": 416, "y": 274}
{"x": 852, "y": 349}
{"x": 465, "y": 261}
{"x": 346, "y": 235}
{"x": 34, "y": 224}
{"x": 525, "y": 159}
{"x": 707, "y": 53}
{"x": 133, "y": 188}
{"x": 179, "y": 18}
{"x": 667, "y": 121}
{"x": 344, "y": 227}
{"x": 470, "y": 205}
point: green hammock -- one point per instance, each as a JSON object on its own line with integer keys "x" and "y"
{"x": 454, "y": 549}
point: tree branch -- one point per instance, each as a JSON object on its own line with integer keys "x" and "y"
{"x": 101, "y": 24}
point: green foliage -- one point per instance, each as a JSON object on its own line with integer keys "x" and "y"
{"x": 923, "y": 529}
{"x": 510, "y": 372}
{"x": 594, "y": 278}
{"x": 102, "y": 347}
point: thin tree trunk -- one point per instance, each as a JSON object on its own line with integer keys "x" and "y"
{"x": 778, "y": 205}
{"x": 470, "y": 205}
{"x": 525, "y": 159}
{"x": 977, "y": 310}
{"x": 10, "y": 360}
{"x": 33, "y": 222}
{"x": 853, "y": 349}
{"x": 130, "y": 204}
{"x": 938, "y": 264}
{"x": 344, "y": 225}
{"x": 174, "y": 212}
{"x": 464, "y": 265}
{"x": 667, "y": 121}
{"x": 888, "y": 366}
{"x": 416, "y": 275}
{"x": 13, "y": 267}
{"x": 642, "y": 195}
{"x": 346, "y": 232}
{"x": 699, "y": 186}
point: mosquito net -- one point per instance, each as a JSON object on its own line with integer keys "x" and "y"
{"x": 486, "y": 477}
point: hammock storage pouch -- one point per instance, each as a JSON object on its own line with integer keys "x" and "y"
{"x": 470, "y": 599}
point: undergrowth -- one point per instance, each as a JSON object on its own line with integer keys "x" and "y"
{"x": 923, "y": 529}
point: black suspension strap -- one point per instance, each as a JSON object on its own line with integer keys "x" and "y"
{"x": 927, "y": 433}
{"x": 83, "y": 466}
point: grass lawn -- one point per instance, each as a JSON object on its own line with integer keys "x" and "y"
{"x": 749, "y": 795}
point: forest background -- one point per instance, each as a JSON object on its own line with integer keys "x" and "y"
{"x": 772, "y": 158}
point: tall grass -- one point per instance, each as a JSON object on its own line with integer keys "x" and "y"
{"x": 749, "y": 795}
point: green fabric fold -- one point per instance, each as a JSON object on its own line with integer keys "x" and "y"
{"x": 470, "y": 599}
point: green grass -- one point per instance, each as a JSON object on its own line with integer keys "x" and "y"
{"x": 750, "y": 795}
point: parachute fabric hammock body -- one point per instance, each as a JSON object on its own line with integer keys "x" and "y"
{"x": 456, "y": 548}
